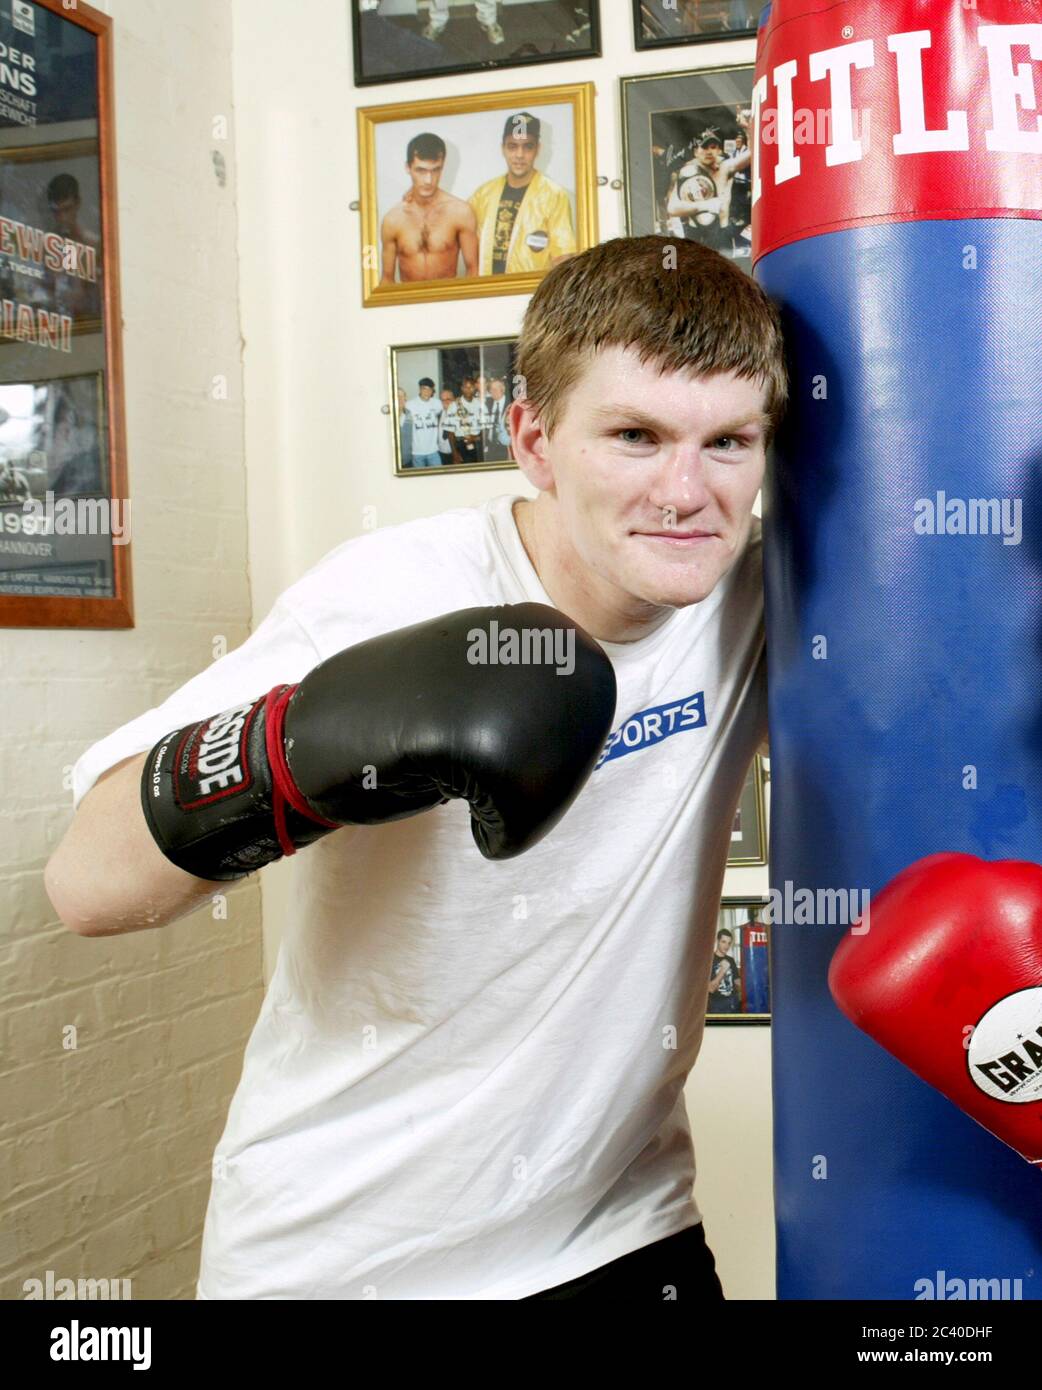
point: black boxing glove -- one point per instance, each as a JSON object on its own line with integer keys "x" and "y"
{"x": 506, "y": 707}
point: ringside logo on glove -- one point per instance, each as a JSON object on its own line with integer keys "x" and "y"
{"x": 387, "y": 729}
{"x": 209, "y": 761}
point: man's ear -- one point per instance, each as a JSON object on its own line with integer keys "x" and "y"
{"x": 529, "y": 443}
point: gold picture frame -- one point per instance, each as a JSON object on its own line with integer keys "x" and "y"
{"x": 748, "y": 846}
{"x": 380, "y": 189}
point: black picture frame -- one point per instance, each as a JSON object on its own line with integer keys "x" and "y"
{"x": 583, "y": 40}
{"x": 651, "y": 15}
{"x": 674, "y": 107}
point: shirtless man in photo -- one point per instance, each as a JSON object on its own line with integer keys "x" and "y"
{"x": 424, "y": 235}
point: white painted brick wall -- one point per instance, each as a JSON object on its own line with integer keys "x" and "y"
{"x": 105, "y": 1148}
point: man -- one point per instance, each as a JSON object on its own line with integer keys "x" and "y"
{"x": 424, "y": 236}
{"x": 725, "y": 993}
{"x": 740, "y": 209}
{"x": 75, "y": 289}
{"x": 467, "y": 1078}
{"x": 447, "y": 427}
{"x": 424, "y": 413}
{"x": 404, "y": 428}
{"x": 496, "y": 437}
{"x": 524, "y": 218}
{"x": 468, "y": 423}
{"x": 702, "y": 197}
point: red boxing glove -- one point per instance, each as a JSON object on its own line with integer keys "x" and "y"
{"x": 948, "y": 978}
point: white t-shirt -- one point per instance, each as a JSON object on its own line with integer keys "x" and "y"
{"x": 466, "y": 1079}
{"x": 448, "y": 421}
{"x": 426, "y": 417}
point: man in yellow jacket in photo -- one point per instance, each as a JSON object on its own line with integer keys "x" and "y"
{"x": 524, "y": 218}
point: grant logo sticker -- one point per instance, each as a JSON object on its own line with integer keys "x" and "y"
{"x": 1005, "y": 1052}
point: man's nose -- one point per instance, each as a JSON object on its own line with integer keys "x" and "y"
{"x": 680, "y": 486}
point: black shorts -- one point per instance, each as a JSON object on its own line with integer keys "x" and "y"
{"x": 681, "y": 1266}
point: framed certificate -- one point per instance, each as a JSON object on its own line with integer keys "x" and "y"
{"x": 64, "y": 510}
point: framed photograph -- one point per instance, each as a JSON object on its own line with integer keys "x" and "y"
{"x": 451, "y": 402}
{"x": 474, "y": 195}
{"x": 688, "y": 160}
{"x": 749, "y": 831}
{"x": 399, "y": 40}
{"x": 64, "y": 511}
{"x": 739, "y": 975}
{"x": 667, "y": 23}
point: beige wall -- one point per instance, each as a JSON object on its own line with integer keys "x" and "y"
{"x": 105, "y": 1145}
{"x": 319, "y": 449}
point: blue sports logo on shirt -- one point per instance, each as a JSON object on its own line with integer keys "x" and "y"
{"x": 650, "y": 726}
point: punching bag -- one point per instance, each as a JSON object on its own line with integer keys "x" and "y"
{"x": 897, "y": 198}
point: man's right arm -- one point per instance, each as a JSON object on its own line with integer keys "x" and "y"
{"x": 108, "y": 875}
{"x": 221, "y": 797}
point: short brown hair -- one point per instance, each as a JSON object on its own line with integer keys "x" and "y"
{"x": 677, "y": 302}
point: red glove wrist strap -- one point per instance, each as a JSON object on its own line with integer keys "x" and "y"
{"x": 283, "y": 788}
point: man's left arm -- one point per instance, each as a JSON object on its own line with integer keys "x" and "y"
{"x": 562, "y": 232}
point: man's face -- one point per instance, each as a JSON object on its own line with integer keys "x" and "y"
{"x": 710, "y": 155}
{"x": 425, "y": 175}
{"x": 641, "y": 460}
{"x": 497, "y": 390}
{"x": 448, "y": 400}
{"x": 426, "y": 393}
{"x": 520, "y": 155}
{"x": 468, "y": 390}
{"x": 723, "y": 945}
{"x": 64, "y": 211}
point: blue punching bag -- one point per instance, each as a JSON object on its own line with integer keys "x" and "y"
{"x": 897, "y": 191}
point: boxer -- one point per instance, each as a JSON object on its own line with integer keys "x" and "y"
{"x": 467, "y": 1076}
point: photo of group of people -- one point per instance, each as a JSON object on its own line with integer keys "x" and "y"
{"x": 702, "y": 168}
{"x": 451, "y": 405}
